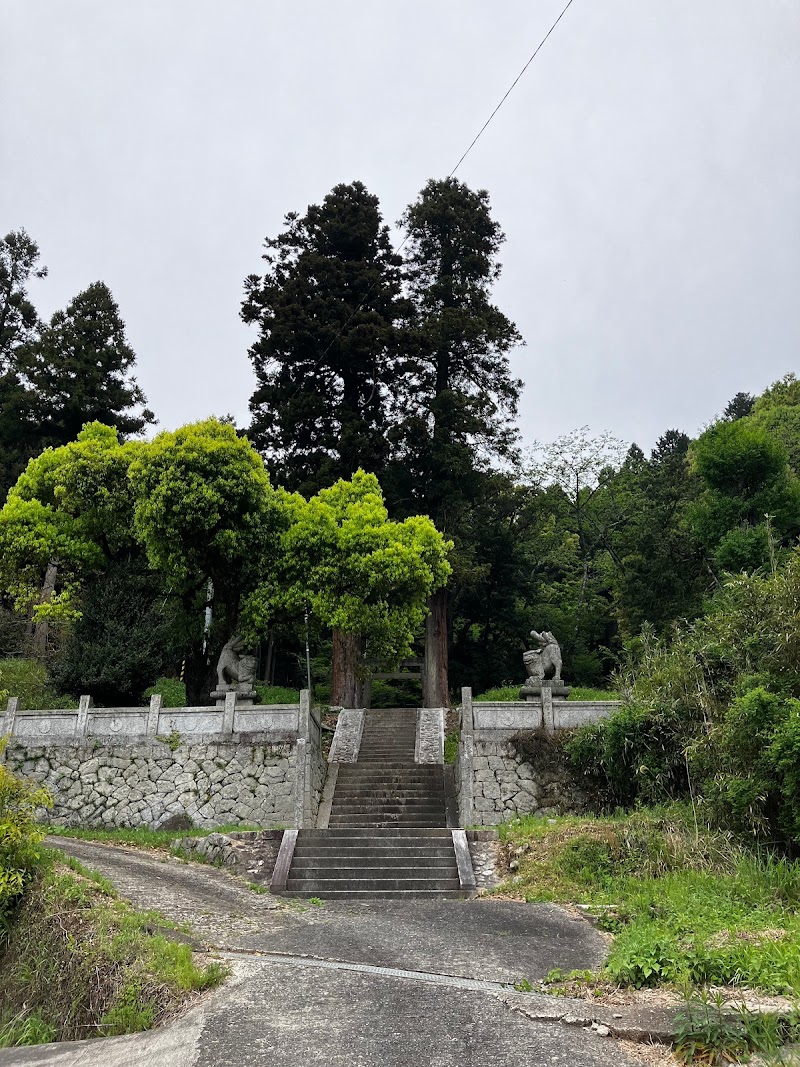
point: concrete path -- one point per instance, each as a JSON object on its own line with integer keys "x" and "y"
{"x": 389, "y": 983}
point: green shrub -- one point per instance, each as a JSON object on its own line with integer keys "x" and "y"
{"x": 636, "y": 754}
{"x": 20, "y": 837}
{"x": 125, "y": 636}
{"x": 171, "y": 690}
{"x": 29, "y": 680}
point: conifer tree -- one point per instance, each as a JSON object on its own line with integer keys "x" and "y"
{"x": 456, "y": 410}
{"x": 78, "y": 370}
{"x": 327, "y": 310}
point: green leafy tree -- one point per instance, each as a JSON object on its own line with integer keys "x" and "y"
{"x": 778, "y": 411}
{"x": 362, "y": 575}
{"x": 749, "y": 491}
{"x": 78, "y": 370}
{"x": 659, "y": 569}
{"x": 69, "y": 512}
{"x": 326, "y": 359}
{"x": 211, "y": 524}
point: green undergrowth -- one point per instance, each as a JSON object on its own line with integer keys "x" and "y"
{"x": 77, "y": 963}
{"x": 686, "y": 904}
{"x": 142, "y": 837}
{"x": 511, "y": 692}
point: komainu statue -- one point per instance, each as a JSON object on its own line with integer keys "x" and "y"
{"x": 233, "y": 669}
{"x": 543, "y": 663}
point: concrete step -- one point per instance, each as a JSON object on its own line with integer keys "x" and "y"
{"x": 382, "y": 894}
{"x": 331, "y": 835}
{"x": 320, "y": 886}
{"x": 373, "y": 871}
{"x": 370, "y": 822}
{"x": 383, "y": 811}
{"x": 349, "y": 857}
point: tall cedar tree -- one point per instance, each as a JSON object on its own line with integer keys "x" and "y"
{"x": 328, "y": 311}
{"x": 78, "y": 370}
{"x": 460, "y": 399}
{"x": 19, "y": 255}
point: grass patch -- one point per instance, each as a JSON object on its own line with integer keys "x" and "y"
{"x": 582, "y": 692}
{"x": 141, "y": 836}
{"x": 277, "y": 694}
{"x": 686, "y": 904}
{"x": 511, "y": 692}
{"x": 78, "y": 963}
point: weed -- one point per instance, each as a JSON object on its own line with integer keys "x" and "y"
{"x": 173, "y": 738}
{"x": 705, "y": 1032}
{"x": 523, "y": 986}
{"x": 25, "y": 1028}
{"x": 316, "y": 901}
{"x": 103, "y": 884}
{"x": 256, "y": 887}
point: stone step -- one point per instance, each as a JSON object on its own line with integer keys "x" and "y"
{"x": 320, "y": 886}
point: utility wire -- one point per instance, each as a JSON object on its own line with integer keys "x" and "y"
{"x": 509, "y": 90}
{"x": 475, "y": 140}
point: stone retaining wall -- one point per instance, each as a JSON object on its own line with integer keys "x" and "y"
{"x": 270, "y": 778}
{"x": 498, "y": 778}
{"x": 149, "y": 783}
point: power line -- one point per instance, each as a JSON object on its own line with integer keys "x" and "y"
{"x": 509, "y": 90}
{"x": 475, "y": 140}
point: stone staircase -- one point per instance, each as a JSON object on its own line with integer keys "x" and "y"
{"x": 387, "y": 835}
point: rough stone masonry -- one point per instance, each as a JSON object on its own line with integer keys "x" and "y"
{"x": 148, "y": 783}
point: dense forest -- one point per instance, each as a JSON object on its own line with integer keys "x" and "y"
{"x": 366, "y": 359}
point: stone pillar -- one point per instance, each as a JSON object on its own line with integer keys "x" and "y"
{"x": 10, "y": 715}
{"x": 156, "y": 704}
{"x": 548, "y": 723}
{"x": 230, "y": 711}
{"x": 466, "y": 788}
{"x": 85, "y": 704}
{"x": 466, "y": 710}
{"x": 303, "y": 724}
{"x": 300, "y": 775}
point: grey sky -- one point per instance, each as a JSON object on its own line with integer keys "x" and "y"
{"x": 645, "y": 170}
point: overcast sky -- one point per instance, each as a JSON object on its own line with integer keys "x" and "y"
{"x": 645, "y": 171}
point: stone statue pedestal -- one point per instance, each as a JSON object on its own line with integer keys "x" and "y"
{"x": 532, "y": 690}
{"x": 245, "y": 695}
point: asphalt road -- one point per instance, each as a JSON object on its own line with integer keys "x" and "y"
{"x": 357, "y": 983}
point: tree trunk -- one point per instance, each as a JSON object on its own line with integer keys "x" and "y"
{"x": 346, "y": 682}
{"x": 42, "y": 628}
{"x": 435, "y": 688}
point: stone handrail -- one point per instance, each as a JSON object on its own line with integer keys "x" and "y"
{"x": 138, "y": 723}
